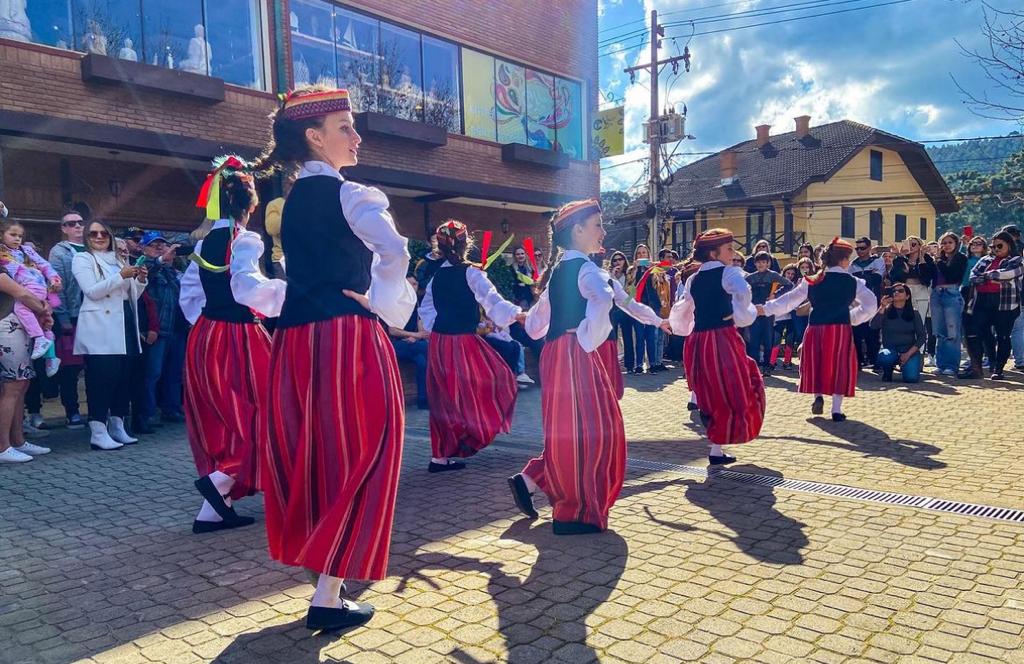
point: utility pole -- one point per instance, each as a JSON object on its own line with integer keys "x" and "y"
{"x": 654, "y": 129}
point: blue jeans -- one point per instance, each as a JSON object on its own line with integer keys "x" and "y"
{"x": 947, "y": 307}
{"x": 165, "y": 365}
{"x": 759, "y": 343}
{"x": 1017, "y": 340}
{"x": 416, "y": 353}
{"x": 659, "y": 346}
{"x": 799, "y": 327}
{"x": 646, "y": 338}
{"x": 911, "y": 371}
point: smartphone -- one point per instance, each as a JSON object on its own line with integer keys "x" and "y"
{"x": 140, "y": 261}
{"x": 887, "y": 292}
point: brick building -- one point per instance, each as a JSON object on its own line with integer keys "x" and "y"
{"x": 468, "y": 108}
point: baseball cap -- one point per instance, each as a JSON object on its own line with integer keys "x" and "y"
{"x": 150, "y": 237}
{"x": 130, "y": 232}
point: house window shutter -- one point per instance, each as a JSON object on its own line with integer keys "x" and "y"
{"x": 901, "y": 227}
{"x": 848, "y": 222}
{"x": 875, "y": 226}
{"x": 876, "y": 165}
{"x": 924, "y": 228}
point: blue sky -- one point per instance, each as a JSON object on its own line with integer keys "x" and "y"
{"x": 889, "y": 67}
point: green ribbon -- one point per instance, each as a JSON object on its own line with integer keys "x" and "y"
{"x": 499, "y": 251}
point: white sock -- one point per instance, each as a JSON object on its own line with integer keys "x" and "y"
{"x": 207, "y": 513}
{"x": 837, "y": 403}
{"x": 716, "y": 450}
{"x": 441, "y": 460}
{"x": 328, "y": 589}
{"x": 693, "y": 397}
{"x": 222, "y": 481}
{"x": 531, "y": 486}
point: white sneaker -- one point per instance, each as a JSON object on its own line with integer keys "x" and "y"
{"x": 36, "y": 420}
{"x": 32, "y": 450}
{"x": 100, "y": 439}
{"x": 40, "y": 346}
{"x": 929, "y": 361}
{"x": 52, "y": 366}
{"x": 115, "y": 427}
{"x": 11, "y": 455}
{"x": 523, "y": 379}
{"x": 31, "y": 431}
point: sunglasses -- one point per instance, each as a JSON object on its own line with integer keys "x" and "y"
{"x": 862, "y": 248}
{"x": 99, "y": 235}
{"x": 998, "y": 245}
{"x": 73, "y": 223}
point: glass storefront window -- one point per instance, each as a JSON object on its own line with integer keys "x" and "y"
{"x": 540, "y": 110}
{"x": 222, "y": 38}
{"x": 175, "y": 37}
{"x": 401, "y": 73}
{"x": 569, "y": 118}
{"x": 510, "y": 101}
{"x": 478, "y": 94}
{"x": 234, "y": 31}
{"x": 312, "y": 26}
{"x": 358, "y": 55}
{"x": 107, "y": 27}
{"x": 44, "y": 22}
{"x": 441, "y": 84}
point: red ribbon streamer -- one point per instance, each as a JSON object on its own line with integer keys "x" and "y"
{"x": 485, "y": 247}
{"x": 528, "y": 247}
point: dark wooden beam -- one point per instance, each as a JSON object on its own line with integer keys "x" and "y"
{"x": 105, "y": 69}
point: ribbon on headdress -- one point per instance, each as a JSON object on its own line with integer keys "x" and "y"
{"x": 530, "y": 254}
{"x": 493, "y": 257}
{"x": 209, "y": 195}
{"x": 485, "y": 247}
{"x": 575, "y": 212}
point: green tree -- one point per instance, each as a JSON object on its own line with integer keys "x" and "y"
{"x": 987, "y": 201}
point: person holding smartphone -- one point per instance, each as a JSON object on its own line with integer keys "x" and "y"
{"x": 903, "y": 334}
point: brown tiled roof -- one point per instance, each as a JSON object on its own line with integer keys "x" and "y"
{"x": 786, "y": 165}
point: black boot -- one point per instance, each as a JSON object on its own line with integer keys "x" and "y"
{"x": 973, "y": 372}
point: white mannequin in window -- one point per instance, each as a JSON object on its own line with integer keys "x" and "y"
{"x": 199, "y": 54}
{"x": 127, "y": 51}
{"x": 95, "y": 41}
{"x": 14, "y": 23}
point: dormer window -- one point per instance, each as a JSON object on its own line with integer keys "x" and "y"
{"x": 876, "y": 165}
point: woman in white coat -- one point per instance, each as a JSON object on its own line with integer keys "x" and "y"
{"x": 107, "y": 333}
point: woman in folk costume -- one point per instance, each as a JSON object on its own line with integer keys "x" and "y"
{"x": 584, "y": 460}
{"x": 839, "y": 302}
{"x": 227, "y": 359}
{"x": 609, "y": 350}
{"x": 726, "y": 382}
{"x": 471, "y": 390}
{"x": 336, "y": 408}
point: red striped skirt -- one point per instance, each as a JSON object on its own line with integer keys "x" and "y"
{"x": 472, "y": 394}
{"x": 609, "y": 354}
{"x": 727, "y": 383}
{"x": 584, "y": 460}
{"x": 335, "y": 449}
{"x": 227, "y": 371}
{"x": 828, "y": 360}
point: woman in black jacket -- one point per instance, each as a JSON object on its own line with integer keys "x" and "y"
{"x": 947, "y": 304}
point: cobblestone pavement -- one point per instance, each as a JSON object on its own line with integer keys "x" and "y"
{"x": 101, "y": 566}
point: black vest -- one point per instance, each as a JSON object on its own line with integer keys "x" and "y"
{"x": 220, "y": 302}
{"x": 831, "y": 299}
{"x": 568, "y": 306}
{"x": 324, "y": 255}
{"x": 456, "y": 306}
{"x": 712, "y": 306}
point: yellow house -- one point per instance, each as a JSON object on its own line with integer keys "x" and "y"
{"x": 808, "y": 185}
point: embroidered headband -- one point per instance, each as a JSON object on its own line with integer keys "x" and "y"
{"x": 316, "y": 104}
{"x": 573, "y": 213}
{"x": 451, "y": 231}
{"x": 715, "y": 237}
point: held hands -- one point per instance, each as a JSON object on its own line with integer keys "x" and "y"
{"x": 358, "y": 297}
{"x": 666, "y": 327}
{"x": 151, "y": 338}
{"x": 760, "y": 310}
{"x": 521, "y": 318}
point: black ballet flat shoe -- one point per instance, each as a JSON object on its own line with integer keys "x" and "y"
{"x": 574, "y": 528}
{"x": 720, "y": 460}
{"x": 443, "y": 467}
{"x": 818, "y": 407}
{"x": 521, "y": 495}
{"x": 200, "y": 527}
{"x": 838, "y": 417}
{"x": 997, "y": 375}
{"x": 638, "y": 370}
{"x": 208, "y": 491}
{"x": 321, "y": 618}
{"x": 691, "y": 406}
